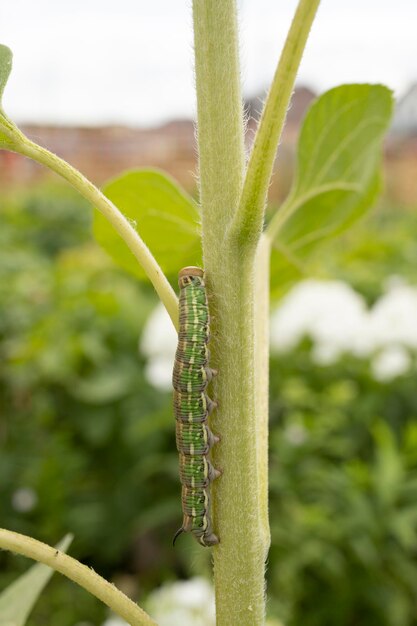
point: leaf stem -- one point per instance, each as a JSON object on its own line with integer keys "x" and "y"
{"x": 126, "y": 231}
{"x": 78, "y": 573}
{"x": 261, "y": 358}
{"x": 248, "y": 222}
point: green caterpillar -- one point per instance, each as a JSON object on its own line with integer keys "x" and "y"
{"x": 192, "y": 406}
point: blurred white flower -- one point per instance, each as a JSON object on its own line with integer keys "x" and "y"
{"x": 331, "y": 313}
{"x": 115, "y": 621}
{"x": 159, "y": 336}
{"x": 393, "y": 361}
{"x": 24, "y": 500}
{"x": 158, "y": 343}
{"x": 188, "y": 603}
{"x": 158, "y": 372}
{"x": 394, "y": 317}
{"x": 337, "y": 321}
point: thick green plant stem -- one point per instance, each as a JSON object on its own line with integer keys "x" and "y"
{"x": 77, "y": 572}
{"x": 22, "y": 145}
{"x": 220, "y": 109}
{"x": 239, "y": 559}
{"x": 249, "y": 218}
{"x": 238, "y": 513}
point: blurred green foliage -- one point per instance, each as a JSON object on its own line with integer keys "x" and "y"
{"x": 382, "y": 245}
{"x": 81, "y": 427}
{"x": 343, "y": 495}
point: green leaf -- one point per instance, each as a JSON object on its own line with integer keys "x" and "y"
{"x": 6, "y": 58}
{"x": 165, "y": 216}
{"x": 337, "y": 174}
{"x": 18, "y": 600}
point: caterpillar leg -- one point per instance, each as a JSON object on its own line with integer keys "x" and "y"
{"x": 214, "y": 439}
{"x": 211, "y": 405}
{"x": 208, "y": 540}
{"x": 213, "y": 473}
{"x": 200, "y": 526}
{"x": 210, "y": 373}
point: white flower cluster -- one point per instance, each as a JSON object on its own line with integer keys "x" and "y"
{"x": 183, "y": 603}
{"x": 158, "y": 344}
{"x": 332, "y": 315}
{"x": 338, "y": 322}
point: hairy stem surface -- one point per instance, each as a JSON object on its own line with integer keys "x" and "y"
{"x": 239, "y": 514}
{"x": 239, "y": 558}
{"x": 220, "y": 110}
{"x": 261, "y": 314}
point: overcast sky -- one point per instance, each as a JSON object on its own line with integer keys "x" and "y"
{"x": 130, "y": 61}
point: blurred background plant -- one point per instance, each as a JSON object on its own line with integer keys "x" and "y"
{"x": 86, "y": 424}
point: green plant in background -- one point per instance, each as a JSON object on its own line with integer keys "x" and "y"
{"x": 71, "y": 383}
{"x": 343, "y": 485}
{"x": 336, "y": 181}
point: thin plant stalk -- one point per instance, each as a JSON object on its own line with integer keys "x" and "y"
{"x": 78, "y": 573}
{"x": 248, "y": 221}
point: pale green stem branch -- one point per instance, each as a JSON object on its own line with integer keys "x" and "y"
{"x": 261, "y": 314}
{"x": 248, "y": 222}
{"x": 23, "y": 145}
{"x": 78, "y": 573}
{"x": 293, "y": 202}
{"x": 285, "y": 211}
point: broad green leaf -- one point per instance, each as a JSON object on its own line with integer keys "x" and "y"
{"x": 164, "y": 215}
{"x": 337, "y": 174}
{"x": 290, "y": 263}
{"x": 18, "y": 600}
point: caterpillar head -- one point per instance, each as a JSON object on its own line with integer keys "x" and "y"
{"x": 191, "y": 276}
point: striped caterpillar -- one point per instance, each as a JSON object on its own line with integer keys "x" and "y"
{"x": 192, "y": 406}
